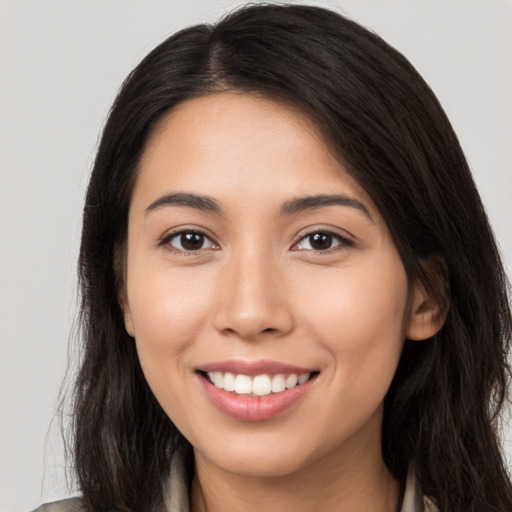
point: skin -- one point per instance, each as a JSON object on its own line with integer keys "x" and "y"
{"x": 256, "y": 290}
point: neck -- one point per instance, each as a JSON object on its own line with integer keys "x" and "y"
{"x": 347, "y": 479}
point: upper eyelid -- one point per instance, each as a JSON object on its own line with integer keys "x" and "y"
{"x": 346, "y": 241}
{"x": 330, "y": 231}
{"x": 168, "y": 235}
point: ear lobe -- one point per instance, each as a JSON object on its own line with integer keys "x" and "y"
{"x": 128, "y": 321}
{"x": 427, "y": 314}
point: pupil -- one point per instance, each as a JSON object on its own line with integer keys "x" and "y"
{"x": 321, "y": 241}
{"x": 192, "y": 241}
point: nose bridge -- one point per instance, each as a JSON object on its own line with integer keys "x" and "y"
{"x": 253, "y": 302}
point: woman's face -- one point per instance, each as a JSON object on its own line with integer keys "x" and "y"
{"x": 255, "y": 260}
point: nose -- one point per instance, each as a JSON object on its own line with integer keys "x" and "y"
{"x": 253, "y": 303}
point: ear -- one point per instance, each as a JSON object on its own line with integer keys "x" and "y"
{"x": 429, "y": 303}
{"x": 125, "y": 307}
{"x": 122, "y": 295}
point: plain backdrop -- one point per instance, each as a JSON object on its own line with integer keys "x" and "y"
{"x": 61, "y": 63}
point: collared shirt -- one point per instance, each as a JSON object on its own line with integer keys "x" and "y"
{"x": 176, "y": 495}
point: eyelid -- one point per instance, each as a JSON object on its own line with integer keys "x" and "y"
{"x": 346, "y": 242}
{"x": 168, "y": 236}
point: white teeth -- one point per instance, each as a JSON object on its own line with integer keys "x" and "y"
{"x": 243, "y": 385}
{"x": 229, "y": 382}
{"x": 291, "y": 381}
{"x": 278, "y": 384}
{"x": 261, "y": 385}
{"x": 303, "y": 378}
{"x": 218, "y": 379}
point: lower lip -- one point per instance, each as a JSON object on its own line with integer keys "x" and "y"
{"x": 254, "y": 408}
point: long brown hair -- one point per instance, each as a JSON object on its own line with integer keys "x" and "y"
{"x": 384, "y": 122}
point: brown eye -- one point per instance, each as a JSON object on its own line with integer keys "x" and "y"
{"x": 188, "y": 241}
{"x": 321, "y": 241}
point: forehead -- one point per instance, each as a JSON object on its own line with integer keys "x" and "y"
{"x": 237, "y": 122}
{"x": 243, "y": 147}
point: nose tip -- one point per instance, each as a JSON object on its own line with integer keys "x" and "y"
{"x": 253, "y": 304}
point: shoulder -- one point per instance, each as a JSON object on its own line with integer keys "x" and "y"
{"x": 67, "y": 505}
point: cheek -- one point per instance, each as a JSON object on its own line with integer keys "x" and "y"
{"x": 357, "y": 318}
{"x": 169, "y": 310}
{"x": 166, "y": 303}
{"x": 358, "y": 314}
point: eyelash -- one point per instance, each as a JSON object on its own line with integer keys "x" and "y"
{"x": 343, "y": 242}
{"x": 166, "y": 241}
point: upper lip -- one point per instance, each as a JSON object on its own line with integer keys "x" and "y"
{"x": 253, "y": 368}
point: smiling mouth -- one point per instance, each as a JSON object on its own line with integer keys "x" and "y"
{"x": 258, "y": 385}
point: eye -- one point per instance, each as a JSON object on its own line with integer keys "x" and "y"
{"x": 189, "y": 241}
{"x": 321, "y": 241}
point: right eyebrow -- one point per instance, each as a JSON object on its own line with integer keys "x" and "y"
{"x": 202, "y": 203}
{"x": 301, "y": 204}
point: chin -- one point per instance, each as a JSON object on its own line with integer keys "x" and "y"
{"x": 266, "y": 455}
{"x": 259, "y": 465}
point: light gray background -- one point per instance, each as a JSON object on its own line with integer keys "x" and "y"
{"x": 61, "y": 63}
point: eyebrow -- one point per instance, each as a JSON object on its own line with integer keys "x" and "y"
{"x": 297, "y": 205}
{"x": 301, "y": 204}
{"x": 202, "y": 203}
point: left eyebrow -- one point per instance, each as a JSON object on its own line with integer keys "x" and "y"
{"x": 301, "y": 204}
{"x": 197, "y": 202}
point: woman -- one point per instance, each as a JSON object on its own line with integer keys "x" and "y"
{"x": 291, "y": 295}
